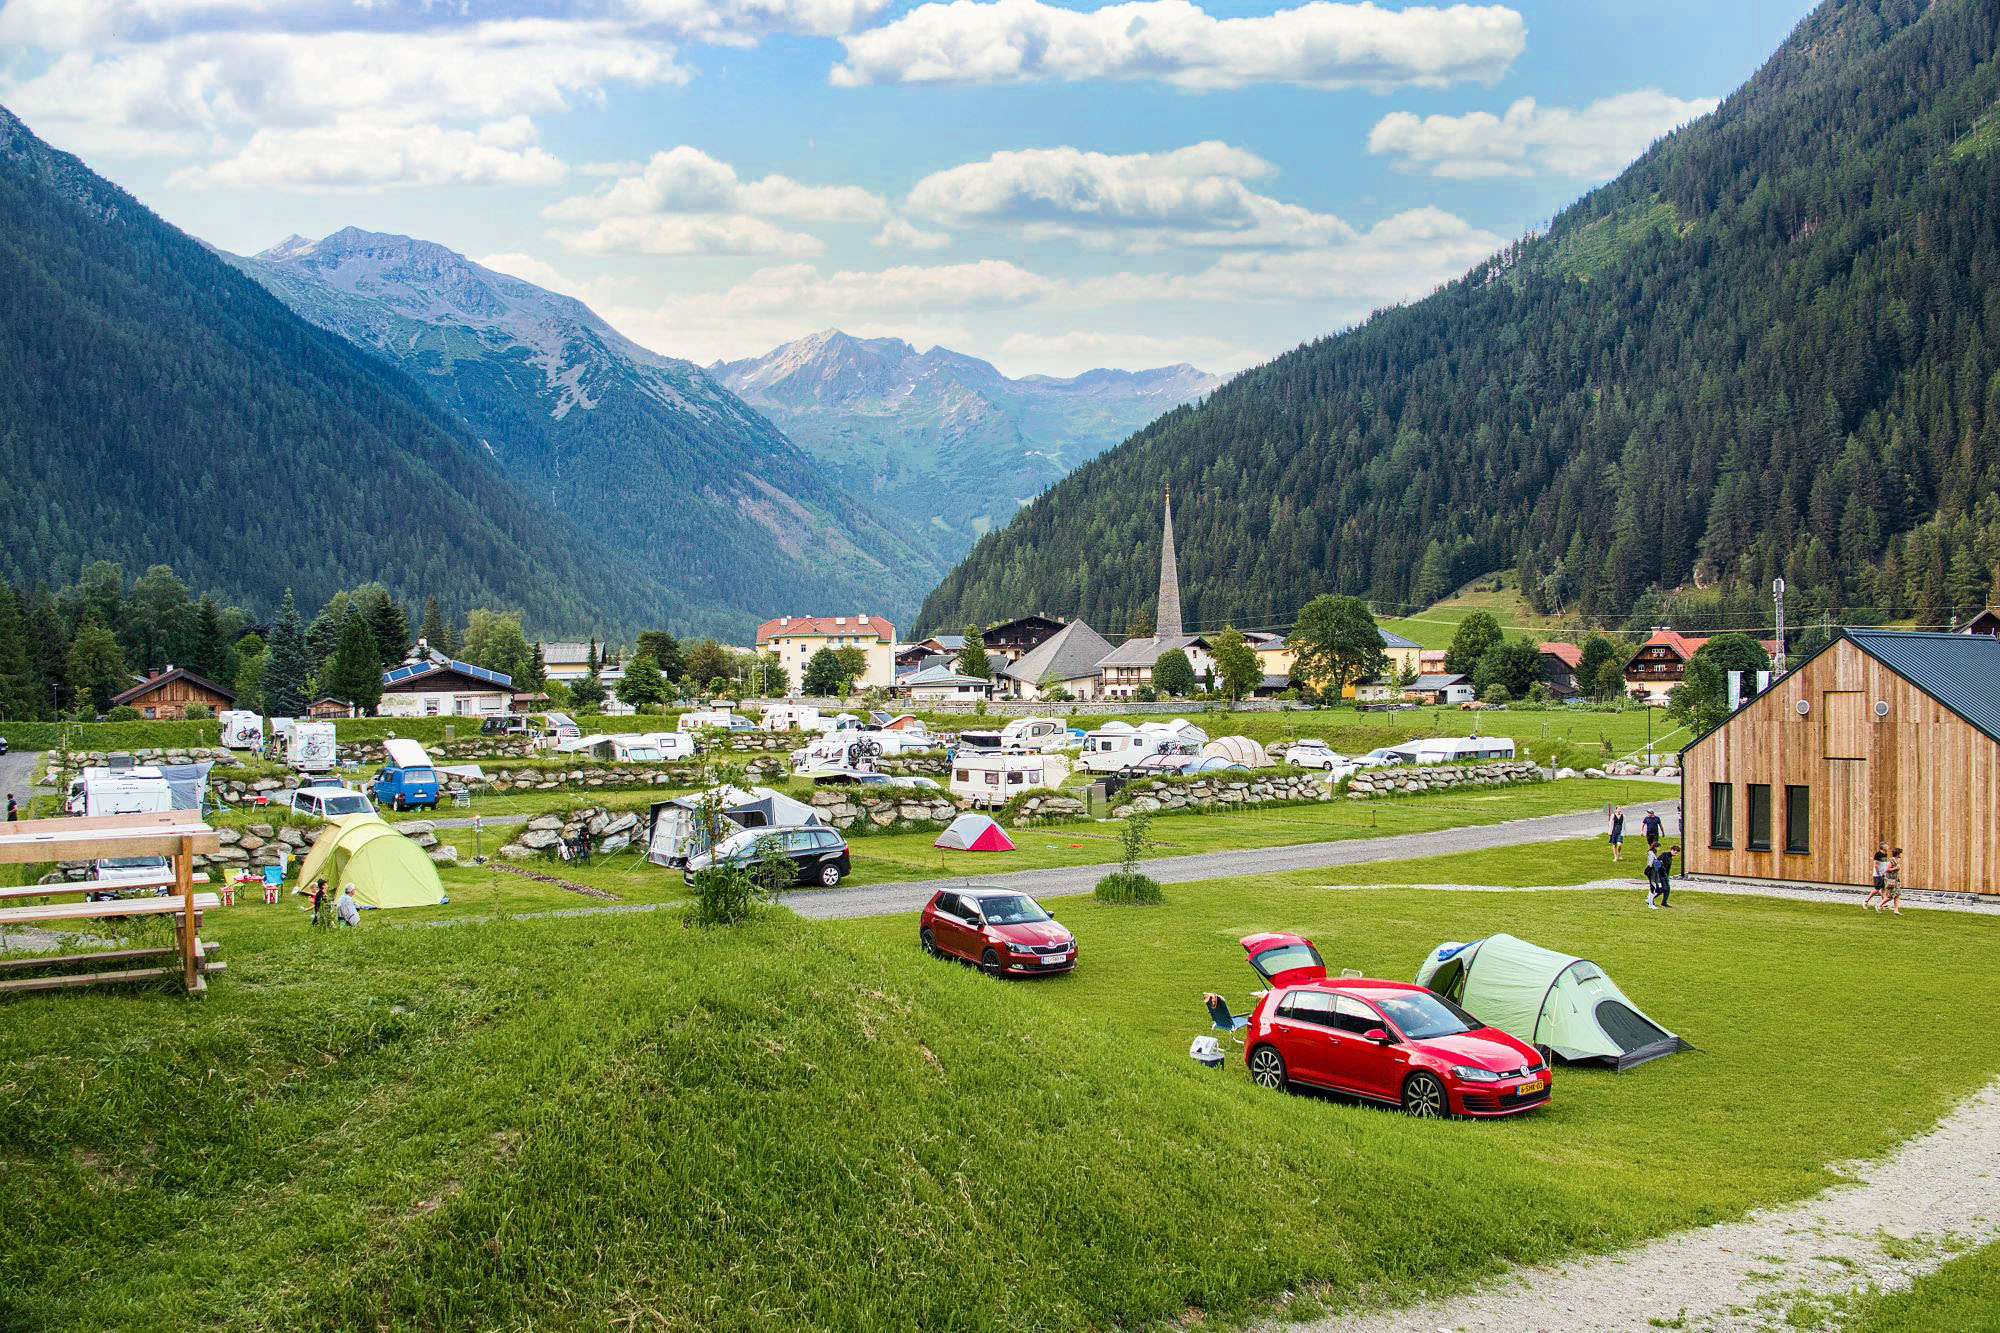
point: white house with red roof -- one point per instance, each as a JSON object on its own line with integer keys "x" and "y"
{"x": 796, "y": 638}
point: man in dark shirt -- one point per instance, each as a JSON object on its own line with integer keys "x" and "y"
{"x": 1653, "y": 827}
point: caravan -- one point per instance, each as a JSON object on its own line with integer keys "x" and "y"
{"x": 310, "y": 748}
{"x": 626, "y": 749}
{"x": 241, "y": 729}
{"x": 790, "y": 717}
{"x": 1453, "y": 749}
{"x": 1116, "y": 746}
{"x": 1038, "y": 734}
{"x": 126, "y": 791}
{"x": 992, "y": 777}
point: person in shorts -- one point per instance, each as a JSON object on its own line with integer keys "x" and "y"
{"x": 1892, "y": 882}
{"x": 1878, "y": 878}
{"x": 1617, "y": 833}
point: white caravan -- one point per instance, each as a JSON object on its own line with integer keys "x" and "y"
{"x": 672, "y": 744}
{"x": 790, "y": 717}
{"x": 992, "y": 778}
{"x": 241, "y": 729}
{"x": 310, "y": 747}
{"x": 130, "y": 791}
{"x": 1116, "y": 746}
{"x": 1037, "y": 734}
{"x": 1454, "y": 749}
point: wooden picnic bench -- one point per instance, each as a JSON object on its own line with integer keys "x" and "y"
{"x": 177, "y": 835}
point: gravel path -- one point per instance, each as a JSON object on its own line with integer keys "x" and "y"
{"x": 17, "y": 774}
{"x": 1889, "y": 1225}
{"x": 1068, "y": 881}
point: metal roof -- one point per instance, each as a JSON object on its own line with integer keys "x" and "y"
{"x": 413, "y": 670}
{"x": 1960, "y": 671}
{"x": 1145, "y": 652}
{"x": 940, "y": 676}
{"x": 1069, "y": 654}
{"x": 1395, "y": 640}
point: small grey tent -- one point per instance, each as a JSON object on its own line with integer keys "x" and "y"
{"x": 1553, "y": 1000}
{"x": 673, "y": 831}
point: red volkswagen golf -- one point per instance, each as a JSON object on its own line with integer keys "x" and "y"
{"x": 1388, "y": 1041}
{"x": 1006, "y": 933}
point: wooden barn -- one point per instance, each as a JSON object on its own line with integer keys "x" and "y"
{"x": 167, "y": 694}
{"x": 1881, "y": 735}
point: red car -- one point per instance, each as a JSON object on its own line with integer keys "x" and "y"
{"x": 1387, "y": 1041}
{"x": 1006, "y": 933}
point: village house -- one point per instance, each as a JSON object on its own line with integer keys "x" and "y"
{"x": 1010, "y": 640}
{"x": 167, "y": 694}
{"x": 1445, "y": 688}
{"x": 327, "y": 706}
{"x": 943, "y": 684}
{"x": 1881, "y": 736}
{"x": 1986, "y": 622}
{"x": 796, "y": 638}
{"x": 1661, "y": 663}
{"x": 1066, "y": 660}
{"x": 429, "y": 684}
{"x": 1560, "y": 662}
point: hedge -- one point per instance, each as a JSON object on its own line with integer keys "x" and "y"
{"x": 103, "y": 736}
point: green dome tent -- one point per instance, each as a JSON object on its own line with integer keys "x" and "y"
{"x": 1548, "y": 999}
{"x": 385, "y": 868}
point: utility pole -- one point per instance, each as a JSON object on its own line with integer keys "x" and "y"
{"x": 1778, "y": 595}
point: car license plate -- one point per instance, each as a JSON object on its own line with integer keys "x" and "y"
{"x": 1055, "y": 960}
{"x": 1530, "y": 1088}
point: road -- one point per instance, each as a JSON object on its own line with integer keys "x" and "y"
{"x": 17, "y": 770}
{"x": 910, "y": 896}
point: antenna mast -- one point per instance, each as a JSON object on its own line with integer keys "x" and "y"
{"x": 1778, "y": 596}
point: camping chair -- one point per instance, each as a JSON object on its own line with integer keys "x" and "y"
{"x": 1221, "y": 1020}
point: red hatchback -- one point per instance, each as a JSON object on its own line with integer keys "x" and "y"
{"x": 1387, "y": 1041}
{"x": 1006, "y": 933}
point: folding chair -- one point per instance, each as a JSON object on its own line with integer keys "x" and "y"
{"x": 1221, "y": 1020}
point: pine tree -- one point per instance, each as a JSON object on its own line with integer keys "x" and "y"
{"x": 48, "y": 656}
{"x": 436, "y": 630}
{"x": 287, "y": 677}
{"x": 19, "y": 688}
{"x": 536, "y": 680}
{"x": 389, "y": 625}
{"x": 97, "y": 668}
{"x": 972, "y": 660}
{"x": 210, "y": 655}
{"x": 356, "y": 673}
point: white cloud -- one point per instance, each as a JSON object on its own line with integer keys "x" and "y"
{"x": 1190, "y": 196}
{"x": 349, "y": 156}
{"x": 685, "y": 202}
{"x": 1319, "y": 44}
{"x": 900, "y": 231}
{"x": 1062, "y": 353}
{"x": 1532, "y": 140}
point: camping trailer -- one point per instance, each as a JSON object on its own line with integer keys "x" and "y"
{"x": 625, "y": 749}
{"x": 790, "y": 717}
{"x": 241, "y": 728}
{"x": 672, "y": 744}
{"x": 310, "y": 748}
{"x": 994, "y": 777}
{"x": 1455, "y": 749}
{"x": 1036, "y": 733}
{"x": 131, "y": 791}
{"x": 1116, "y": 746}
{"x": 674, "y": 832}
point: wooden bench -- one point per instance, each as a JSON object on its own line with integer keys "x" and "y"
{"x": 75, "y": 886}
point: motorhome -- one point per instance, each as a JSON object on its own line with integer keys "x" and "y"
{"x": 625, "y": 749}
{"x": 790, "y": 717}
{"x": 241, "y": 728}
{"x": 1036, "y": 733}
{"x": 838, "y": 750}
{"x": 722, "y": 718}
{"x": 994, "y": 777}
{"x": 673, "y": 744}
{"x": 559, "y": 730}
{"x": 409, "y": 779}
{"x": 1116, "y": 746}
{"x": 310, "y": 747}
{"x": 1454, "y": 749}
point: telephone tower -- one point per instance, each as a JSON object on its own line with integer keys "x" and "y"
{"x": 1778, "y": 596}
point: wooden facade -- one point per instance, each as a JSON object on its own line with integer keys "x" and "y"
{"x": 1781, "y": 791}
{"x": 169, "y": 693}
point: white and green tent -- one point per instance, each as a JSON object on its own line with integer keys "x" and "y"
{"x": 1559, "y": 1002}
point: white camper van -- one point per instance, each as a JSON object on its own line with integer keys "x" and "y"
{"x": 992, "y": 777}
{"x": 790, "y": 717}
{"x": 1037, "y": 734}
{"x": 1116, "y": 746}
{"x": 1454, "y": 749}
{"x": 310, "y": 747}
{"x": 672, "y": 744}
{"x": 129, "y": 791}
{"x": 241, "y": 729}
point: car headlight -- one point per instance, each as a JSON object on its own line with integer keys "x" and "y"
{"x": 1472, "y": 1075}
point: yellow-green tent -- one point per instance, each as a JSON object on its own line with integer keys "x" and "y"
{"x": 385, "y": 868}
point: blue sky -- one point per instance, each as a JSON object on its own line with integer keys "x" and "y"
{"x": 1051, "y": 187}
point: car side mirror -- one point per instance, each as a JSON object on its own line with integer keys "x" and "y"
{"x": 1379, "y": 1036}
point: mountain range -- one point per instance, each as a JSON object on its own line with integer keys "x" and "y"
{"x": 649, "y": 452}
{"x": 1769, "y": 348}
{"x": 942, "y": 440}
{"x": 159, "y": 407}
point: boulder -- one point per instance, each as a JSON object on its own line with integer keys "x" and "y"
{"x": 416, "y": 828}
{"x": 445, "y": 855}
{"x": 514, "y": 851}
{"x": 624, "y": 822}
{"x": 545, "y": 824}
{"x": 537, "y": 839}
{"x": 616, "y": 842}
{"x": 228, "y": 837}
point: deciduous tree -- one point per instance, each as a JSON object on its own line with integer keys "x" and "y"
{"x": 643, "y": 686}
{"x": 1173, "y": 674}
{"x": 1236, "y": 661}
{"x": 1336, "y": 642}
{"x": 1476, "y": 634}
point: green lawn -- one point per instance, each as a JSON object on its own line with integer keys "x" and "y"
{"x": 1434, "y": 626}
{"x": 619, "y": 1120}
{"x": 1963, "y": 1296}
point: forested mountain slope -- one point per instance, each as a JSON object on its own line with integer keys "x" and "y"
{"x": 1769, "y": 347}
{"x": 648, "y": 451}
{"x": 941, "y": 439}
{"x": 156, "y": 406}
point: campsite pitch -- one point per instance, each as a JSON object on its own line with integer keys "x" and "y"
{"x": 618, "y": 1119}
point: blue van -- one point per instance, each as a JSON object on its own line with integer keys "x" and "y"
{"x": 409, "y": 781}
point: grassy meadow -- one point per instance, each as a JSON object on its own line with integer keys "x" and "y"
{"x": 620, "y": 1120}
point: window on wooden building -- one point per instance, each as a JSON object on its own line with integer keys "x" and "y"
{"x": 1798, "y": 819}
{"x": 1721, "y": 815}
{"x": 1760, "y": 817}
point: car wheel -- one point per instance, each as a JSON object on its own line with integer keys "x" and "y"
{"x": 929, "y": 941}
{"x": 829, "y": 875}
{"x": 990, "y": 961}
{"x": 1267, "y": 1069}
{"x": 1423, "y": 1097}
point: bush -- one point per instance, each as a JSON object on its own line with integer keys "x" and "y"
{"x": 1496, "y": 693}
{"x": 122, "y": 713}
{"x": 101, "y": 736}
{"x": 1130, "y": 888}
{"x": 197, "y": 712}
{"x": 723, "y": 895}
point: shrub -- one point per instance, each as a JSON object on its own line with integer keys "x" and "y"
{"x": 1496, "y": 693}
{"x": 723, "y": 895}
{"x": 1128, "y": 888}
{"x": 197, "y": 712}
{"x": 122, "y": 713}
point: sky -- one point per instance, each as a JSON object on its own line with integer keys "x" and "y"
{"x": 1053, "y": 188}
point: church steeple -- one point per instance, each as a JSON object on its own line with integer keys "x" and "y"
{"x": 1167, "y": 618}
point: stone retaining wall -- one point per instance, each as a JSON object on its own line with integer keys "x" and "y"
{"x": 1374, "y": 783}
{"x": 608, "y": 831}
{"x": 1208, "y": 792}
{"x": 856, "y": 807}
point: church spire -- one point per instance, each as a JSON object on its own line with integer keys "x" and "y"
{"x": 1167, "y": 618}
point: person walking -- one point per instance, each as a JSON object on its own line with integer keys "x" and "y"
{"x": 319, "y": 901}
{"x": 1878, "y": 879}
{"x": 1663, "y": 877}
{"x": 1652, "y": 827}
{"x": 1892, "y": 882}
{"x": 13, "y": 811}
{"x": 1652, "y": 875}
{"x": 1617, "y": 833}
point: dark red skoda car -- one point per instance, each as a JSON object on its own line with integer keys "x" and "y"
{"x": 1387, "y": 1041}
{"x": 1005, "y": 932}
